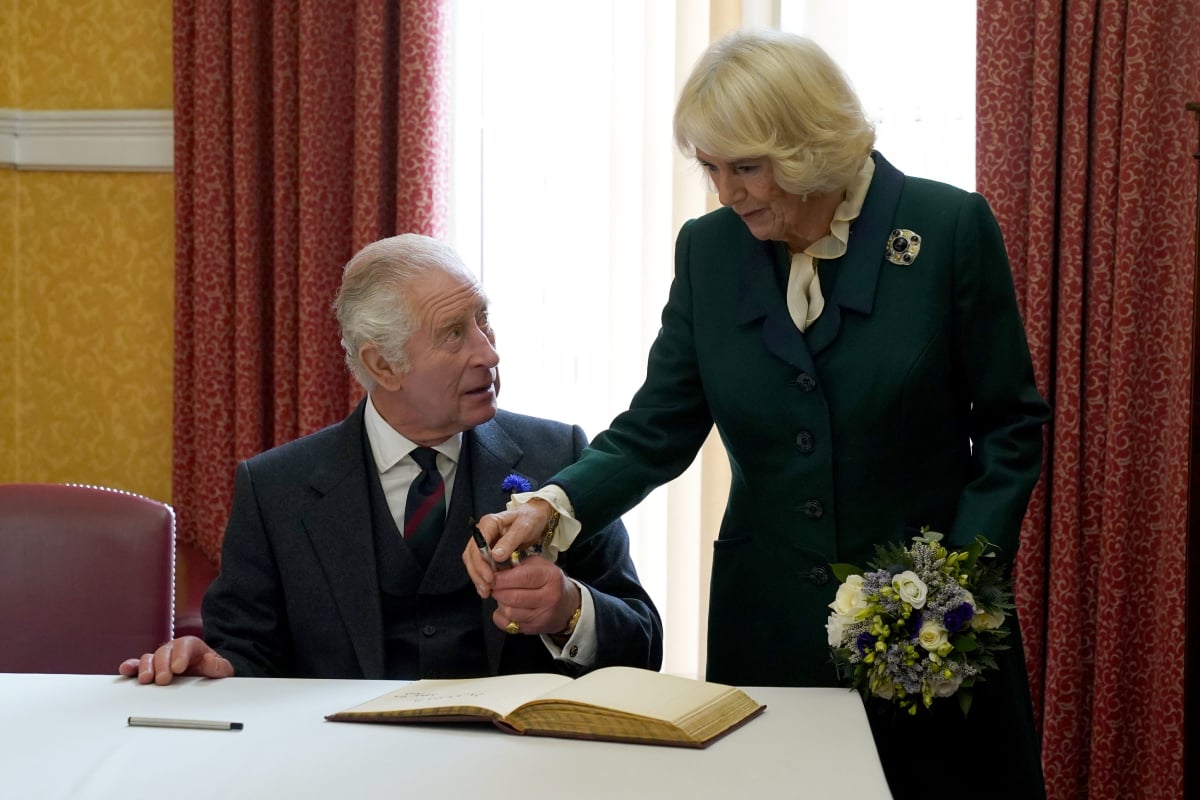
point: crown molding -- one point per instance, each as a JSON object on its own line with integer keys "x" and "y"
{"x": 138, "y": 140}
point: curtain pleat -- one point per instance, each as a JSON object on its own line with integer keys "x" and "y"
{"x": 1083, "y": 150}
{"x": 291, "y": 119}
{"x": 376, "y": 78}
{"x": 422, "y": 171}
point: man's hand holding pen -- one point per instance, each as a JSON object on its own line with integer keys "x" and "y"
{"x": 486, "y": 551}
{"x": 532, "y": 595}
{"x": 507, "y": 533}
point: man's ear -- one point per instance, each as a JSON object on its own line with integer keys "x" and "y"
{"x": 379, "y": 368}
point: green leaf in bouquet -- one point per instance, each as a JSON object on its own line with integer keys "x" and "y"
{"x": 965, "y": 643}
{"x": 974, "y": 551}
{"x": 928, "y": 537}
{"x": 843, "y": 571}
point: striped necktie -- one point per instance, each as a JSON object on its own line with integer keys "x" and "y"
{"x": 425, "y": 510}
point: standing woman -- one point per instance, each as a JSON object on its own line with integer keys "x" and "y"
{"x": 853, "y": 333}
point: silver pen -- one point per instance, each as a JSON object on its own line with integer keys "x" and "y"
{"x": 202, "y": 724}
{"x": 481, "y": 543}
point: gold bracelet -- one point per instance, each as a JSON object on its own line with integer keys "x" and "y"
{"x": 548, "y": 534}
{"x": 570, "y": 629}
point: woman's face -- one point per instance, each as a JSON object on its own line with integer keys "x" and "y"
{"x": 747, "y": 185}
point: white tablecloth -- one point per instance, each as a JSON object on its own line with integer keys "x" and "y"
{"x": 65, "y": 736}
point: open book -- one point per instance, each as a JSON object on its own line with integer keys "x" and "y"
{"x": 621, "y": 704}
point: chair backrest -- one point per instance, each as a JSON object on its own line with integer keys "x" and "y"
{"x": 87, "y": 577}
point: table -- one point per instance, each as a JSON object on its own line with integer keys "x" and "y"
{"x": 65, "y": 736}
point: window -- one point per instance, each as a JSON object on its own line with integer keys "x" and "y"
{"x": 551, "y": 178}
{"x": 563, "y": 155}
{"x": 913, "y": 64}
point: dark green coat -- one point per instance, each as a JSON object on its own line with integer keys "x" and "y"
{"x": 911, "y": 401}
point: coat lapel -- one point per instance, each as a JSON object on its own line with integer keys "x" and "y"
{"x": 858, "y": 269}
{"x": 339, "y": 527}
{"x": 493, "y": 455}
{"x": 762, "y": 298}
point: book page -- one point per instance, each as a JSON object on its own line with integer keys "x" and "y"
{"x": 499, "y": 694}
{"x": 638, "y": 691}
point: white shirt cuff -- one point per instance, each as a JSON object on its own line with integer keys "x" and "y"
{"x": 580, "y": 649}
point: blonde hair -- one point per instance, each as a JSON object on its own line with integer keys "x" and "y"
{"x": 765, "y": 93}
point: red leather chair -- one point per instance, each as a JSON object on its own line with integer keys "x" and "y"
{"x": 87, "y": 577}
{"x": 193, "y": 573}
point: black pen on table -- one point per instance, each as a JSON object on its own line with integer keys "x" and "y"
{"x": 200, "y": 724}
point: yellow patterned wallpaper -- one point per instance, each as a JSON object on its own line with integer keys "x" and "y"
{"x": 87, "y": 260}
{"x": 8, "y": 49}
{"x": 95, "y": 315}
{"x": 92, "y": 54}
{"x": 8, "y": 183}
{"x": 8, "y": 374}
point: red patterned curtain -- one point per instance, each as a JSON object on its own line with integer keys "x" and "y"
{"x": 1084, "y": 148}
{"x": 303, "y": 130}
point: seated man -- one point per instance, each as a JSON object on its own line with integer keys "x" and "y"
{"x": 322, "y": 575}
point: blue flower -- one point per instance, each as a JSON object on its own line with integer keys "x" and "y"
{"x": 515, "y": 483}
{"x": 865, "y": 643}
{"x": 912, "y": 626}
{"x": 956, "y": 618}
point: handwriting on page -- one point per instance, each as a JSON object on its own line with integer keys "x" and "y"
{"x": 421, "y": 697}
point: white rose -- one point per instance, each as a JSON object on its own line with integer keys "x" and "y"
{"x": 850, "y": 598}
{"x": 987, "y": 620}
{"x": 835, "y": 627}
{"x": 882, "y": 685}
{"x": 932, "y": 636}
{"x": 911, "y": 588}
{"x": 941, "y": 686}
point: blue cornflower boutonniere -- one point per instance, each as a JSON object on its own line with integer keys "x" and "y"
{"x": 514, "y": 483}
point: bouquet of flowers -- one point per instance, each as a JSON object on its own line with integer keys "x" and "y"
{"x": 923, "y": 623}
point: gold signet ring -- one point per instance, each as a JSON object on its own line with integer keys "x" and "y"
{"x": 513, "y": 627}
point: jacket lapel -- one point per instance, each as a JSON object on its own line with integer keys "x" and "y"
{"x": 762, "y": 298}
{"x": 339, "y": 527}
{"x": 858, "y": 269}
{"x": 493, "y": 455}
